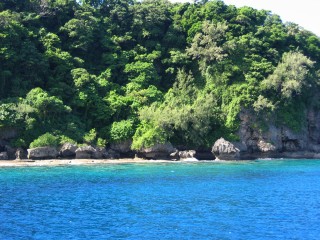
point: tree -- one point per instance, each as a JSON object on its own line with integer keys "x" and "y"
{"x": 290, "y": 76}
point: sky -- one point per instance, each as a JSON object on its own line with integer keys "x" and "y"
{"x": 303, "y": 12}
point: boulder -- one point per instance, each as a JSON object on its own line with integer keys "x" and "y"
{"x": 112, "y": 154}
{"x": 4, "y": 156}
{"x": 265, "y": 146}
{"x": 158, "y": 151}
{"x": 100, "y": 153}
{"x": 10, "y": 151}
{"x": 224, "y": 150}
{"x": 21, "y": 154}
{"x": 42, "y": 153}
{"x": 122, "y": 147}
{"x": 68, "y": 150}
{"x": 174, "y": 155}
{"x": 85, "y": 152}
{"x": 187, "y": 154}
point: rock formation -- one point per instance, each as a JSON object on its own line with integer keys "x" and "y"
{"x": 68, "y": 150}
{"x": 4, "y": 156}
{"x": 85, "y": 152}
{"x": 158, "y": 151}
{"x": 224, "y": 150}
{"x": 42, "y": 153}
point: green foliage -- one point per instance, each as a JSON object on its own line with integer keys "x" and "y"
{"x": 90, "y": 137}
{"x": 263, "y": 104}
{"x": 65, "y": 139}
{"x": 292, "y": 115}
{"x": 152, "y": 71}
{"x": 122, "y": 130}
{"x": 290, "y": 76}
{"x": 101, "y": 142}
{"x": 148, "y": 135}
{"x": 45, "y": 140}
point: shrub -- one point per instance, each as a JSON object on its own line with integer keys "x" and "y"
{"x": 122, "y": 130}
{"x": 101, "y": 142}
{"x": 148, "y": 135}
{"x": 65, "y": 139}
{"x": 45, "y": 140}
{"x": 90, "y": 137}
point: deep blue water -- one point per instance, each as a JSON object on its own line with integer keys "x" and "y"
{"x": 239, "y": 200}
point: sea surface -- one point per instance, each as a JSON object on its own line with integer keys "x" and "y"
{"x": 264, "y": 199}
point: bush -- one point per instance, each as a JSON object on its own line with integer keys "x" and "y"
{"x": 45, "y": 140}
{"x": 101, "y": 142}
{"x": 65, "y": 139}
{"x": 90, "y": 137}
{"x": 122, "y": 130}
{"x": 148, "y": 135}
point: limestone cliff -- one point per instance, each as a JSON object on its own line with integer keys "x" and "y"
{"x": 276, "y": 140}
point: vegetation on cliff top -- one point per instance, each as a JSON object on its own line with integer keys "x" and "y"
{"x": 106, "y": 71}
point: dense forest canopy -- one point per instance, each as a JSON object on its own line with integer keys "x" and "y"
{"x": 105, "y": 71}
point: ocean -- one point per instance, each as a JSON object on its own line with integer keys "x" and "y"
{"x": 263, "y": 199}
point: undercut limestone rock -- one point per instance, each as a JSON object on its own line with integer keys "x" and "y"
{"x": 42, "y": 153}
{"x": 187, "y": 154}
{"x": 225, "y": 150}
{"x": 85, "y": 152}
{"x": 158, "y": 151}
{"x": 68, "y": 150}
{"x": 21, "y": 154}
{"x": 4, "y": 156}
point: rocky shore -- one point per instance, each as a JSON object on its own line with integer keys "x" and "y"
{"x": 273, "y": 142}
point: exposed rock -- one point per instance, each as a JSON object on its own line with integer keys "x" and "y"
{"x": 275, "y": 139}
{"x": 224, "y": 150}
{"x": 158, "y": 151}
{"x": 68, "y": 150}
{"x": 42, "y": 153}
{"x": 112, "y": 154}
{"x": 85, "y": 152}
{"x": 11, "y": 152}
{"x": 265, "y": 146}
{"x": 187, "y": 154}
{"x": 122, "y": 147}
{"x": 100, "y": 153}
{"x": 21, "y": 154}
{"x": 292, "y": 141}
{"x": 4, "y": 156}
{"x": 174, "y": 155}
{"x": 204, "y": 155}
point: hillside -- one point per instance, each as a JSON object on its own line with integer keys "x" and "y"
{"x": 103, "y": 72}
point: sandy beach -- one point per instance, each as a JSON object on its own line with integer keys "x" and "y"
{"x": 62, "y": 162}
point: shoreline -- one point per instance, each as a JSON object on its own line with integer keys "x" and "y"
{"x": 79, "y": 162}
{"x": 75, "y": 162}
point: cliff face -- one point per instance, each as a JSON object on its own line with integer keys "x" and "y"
{"x": 279, "y": 141}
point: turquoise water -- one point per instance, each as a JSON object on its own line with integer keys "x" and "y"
{"x": 240, "y": 200}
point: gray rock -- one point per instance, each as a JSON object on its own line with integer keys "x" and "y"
{"x": 122, "y": 147}
{"x": 100, "y": 153}
{"x": 68, "y": 150}
{"x": 85, "y": 152}
{"x": 187, "y": 154}
{"x": 11, "y": 152}
{"x": 158, "y": 151}
{"x": 265, "y": 146}
{"x": 21, "y": 154}
{"x": 112, "y": 154}
{"x": 42, "y": 153}
{"x": 174, "y": 155}
{"x": 4, "y": 156}
{"x": 225, "y": 150}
